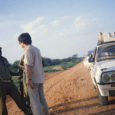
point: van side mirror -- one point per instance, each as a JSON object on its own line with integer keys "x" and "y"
{"x": 91, "y": 59}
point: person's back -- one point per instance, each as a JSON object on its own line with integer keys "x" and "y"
{"x": 36, "y": 62}
{"x": 4, "y": 70}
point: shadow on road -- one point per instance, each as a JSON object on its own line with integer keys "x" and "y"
{"x": 56, "y": 109}
{"x": 72, "y": 108}
{"x": 72, "y": 102}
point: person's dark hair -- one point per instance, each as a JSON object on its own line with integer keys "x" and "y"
{"x": 25, "y": 38}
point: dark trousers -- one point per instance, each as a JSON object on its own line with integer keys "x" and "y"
{"x": 10, "y": 89}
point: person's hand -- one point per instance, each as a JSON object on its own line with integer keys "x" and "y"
{"x": 30, "y": 84}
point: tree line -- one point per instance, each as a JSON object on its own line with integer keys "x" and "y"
{"x": 46, "y": 62}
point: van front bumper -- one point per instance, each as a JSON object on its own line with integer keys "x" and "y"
{"x": 106, "y": 90}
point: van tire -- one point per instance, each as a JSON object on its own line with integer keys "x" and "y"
{"x": 103, "y": 100}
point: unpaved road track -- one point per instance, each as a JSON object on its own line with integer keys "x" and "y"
{"x": 70, "y": 92}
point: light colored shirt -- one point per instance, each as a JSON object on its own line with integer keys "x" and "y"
{"x": 32, "y": 57}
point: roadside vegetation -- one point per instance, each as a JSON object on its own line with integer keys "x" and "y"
{"x": 53, "y": 65}
{"x": 50, "y": 65}
{"x": 60, "y": 64}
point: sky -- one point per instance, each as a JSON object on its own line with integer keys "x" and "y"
{"x": 59, "y": 28}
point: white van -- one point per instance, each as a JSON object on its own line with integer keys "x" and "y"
{"x": 103, "y": 70}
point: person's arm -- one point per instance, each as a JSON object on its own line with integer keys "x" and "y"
{"x": 21, "y": 66}
{"x": 29, "y": 75}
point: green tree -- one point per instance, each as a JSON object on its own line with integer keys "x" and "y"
{"x": 14, "y": 66}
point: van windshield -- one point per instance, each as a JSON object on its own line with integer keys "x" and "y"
{"x": 106, "y": 52}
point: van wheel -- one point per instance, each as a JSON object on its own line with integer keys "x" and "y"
{"x": 103, "y": 100}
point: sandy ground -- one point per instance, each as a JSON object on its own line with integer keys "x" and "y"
{"x": 70, "y": 92}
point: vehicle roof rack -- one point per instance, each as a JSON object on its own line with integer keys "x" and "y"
{"x": 107, "y": 37}
{"x": 101, "y": 43}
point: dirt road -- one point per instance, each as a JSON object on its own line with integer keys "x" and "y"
{"x": 70, "y": 92}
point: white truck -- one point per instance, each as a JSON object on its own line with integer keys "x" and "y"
{"x": 102, "y": 67}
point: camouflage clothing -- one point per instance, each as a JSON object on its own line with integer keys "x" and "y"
{"x": 24, "y": 85}
{"x": 23, "y": 76}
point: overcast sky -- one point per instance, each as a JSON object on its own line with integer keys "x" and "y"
{"x": 59, "y": 28}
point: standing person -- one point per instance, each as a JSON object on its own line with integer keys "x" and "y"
{"x": 8, "y": 88}
{"x": 34, "y": 75}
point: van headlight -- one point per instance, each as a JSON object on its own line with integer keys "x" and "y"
{"x": 105, "y": 77}
{"x": 108, "y": 77}
{"x": 113, "y": 77}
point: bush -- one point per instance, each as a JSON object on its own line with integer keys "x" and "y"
{"x": 50, "y": 69}
{"x": 65, "y": 63}
{"x": 14, "y": 66}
